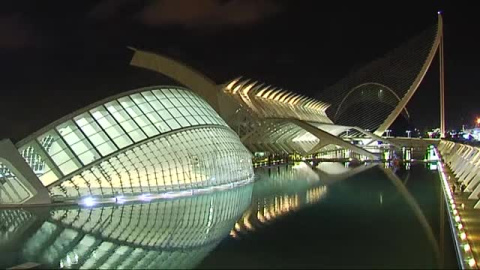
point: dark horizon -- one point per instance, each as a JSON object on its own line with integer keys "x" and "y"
{"x": 58, "y": 58}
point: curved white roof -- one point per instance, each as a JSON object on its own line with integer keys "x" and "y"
{"x": 104, "y": 128}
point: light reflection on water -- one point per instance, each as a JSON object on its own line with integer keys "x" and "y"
{"x": 159, "y": 234}
{"x": 177, "y": 233}
{"x": 282, "y": 190}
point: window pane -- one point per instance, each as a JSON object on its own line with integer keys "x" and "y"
{"x": 148, "y": 95}
{"x": 173, "y": 124}
{"x": 114, "y": 131}
{"x": 126, "y": 102}
{"x": 106, "y": 148}
{"x": 183, "y": 122}
{"x": 68, "y": 167}
{"x": 122, "y": 141}
{"x": 137, "y": 135}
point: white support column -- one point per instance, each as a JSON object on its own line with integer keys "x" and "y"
{"x": 10, "y": 156}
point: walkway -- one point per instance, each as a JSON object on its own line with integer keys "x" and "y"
{"x": 470, "y": 216}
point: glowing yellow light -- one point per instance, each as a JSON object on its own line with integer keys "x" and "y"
{"x": 463, "y": 236}
{"x": 284, "y": 97}
{"x": 274, "y": 94}
{"x": 472, "y": 262}
{"x": 282, "y": 94}
{"x": 235, "y": 90}
{"x": 230, "y": 85}
{"x": 260, "y": 217}
{"x": 291, "y": 100}
{"x": 460, "y": 226}
{"x": 457, "y": 218}
{"x": 260, "y": 93}
{"x": 296, "y": 101}
{"x": 267, "y": 94}
{"x": 290, "y": 97}
{"x": 246, "y": 89}
{"x": 455, "y": 212}
{"x": 466, "y": 247}
{"x": 247, "y": 223}
{"x": 478, "y": 120}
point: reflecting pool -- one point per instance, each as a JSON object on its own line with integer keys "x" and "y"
{"x": 339, "y": 216}
{"x": 333, "y": 215}
{"x": 159, "y": 234}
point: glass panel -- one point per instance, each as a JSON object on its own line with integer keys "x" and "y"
{"x": 68, "y": 167}
{"x": 142, "y": 121}
{"x": 162, "y": 126}
{"x": 167, "y": 103}
{"x": 59, "y": 152}
{"x": 122, "y": 141}
{"x": 48, "y": 177}
{"x": 129, "y": 125}
{"x": 173, "y": 124}
{"x": 138, "y": 99}
{"x": 175, "y": 113}
{"x": 149, "y": 96}
{"x": 150, "y": 130}
{"x": 183, "y": 122}
{"x": 137, "y": 135}
{"x": 126, "y": 102}
{"x": 145, "y": 107}
{"x": 103, "y": 143}
{"x": 77, "y": 141}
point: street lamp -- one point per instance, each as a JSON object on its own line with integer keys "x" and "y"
{"x": 408, "y": 133}
{"x": 388, "y": 132}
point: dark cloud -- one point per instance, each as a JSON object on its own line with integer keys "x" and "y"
{"x": 207, "y": 13}
{"x": 107, "y": 9}
{"x": 15, "y": 32}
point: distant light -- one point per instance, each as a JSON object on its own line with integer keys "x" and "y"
{"x": 463, "y": 236}
{"x": 144, "y": 197}
{"x": 89, "y": 201}
{"x": 466, "y": 247}
{"x": 439, "y": 12}
{"x": 472, "y": 262}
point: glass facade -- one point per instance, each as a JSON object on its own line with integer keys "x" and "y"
{"x": 188, "y": 159}
{"x": 161, "y": 234}
{"x": 12, "y": 190}
{"x": 121, "y": 147}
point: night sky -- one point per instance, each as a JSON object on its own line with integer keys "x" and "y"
{"x": 58, "y": 56}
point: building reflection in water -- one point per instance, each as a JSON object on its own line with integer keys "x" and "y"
{"x": 283, "y": 190}
{"x": 159, "y": 234}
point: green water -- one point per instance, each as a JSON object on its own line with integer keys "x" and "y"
{"x": 363, "y": 221}
{"x": 292, "y": 217}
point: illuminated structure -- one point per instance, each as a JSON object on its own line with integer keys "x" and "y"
{"x": 149, "y": 140}
{"x": 156, "y": 235}
{"x": 375, "y": 95}
{"x": 265, "y": 118}
{"x": 199, "y": 136}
